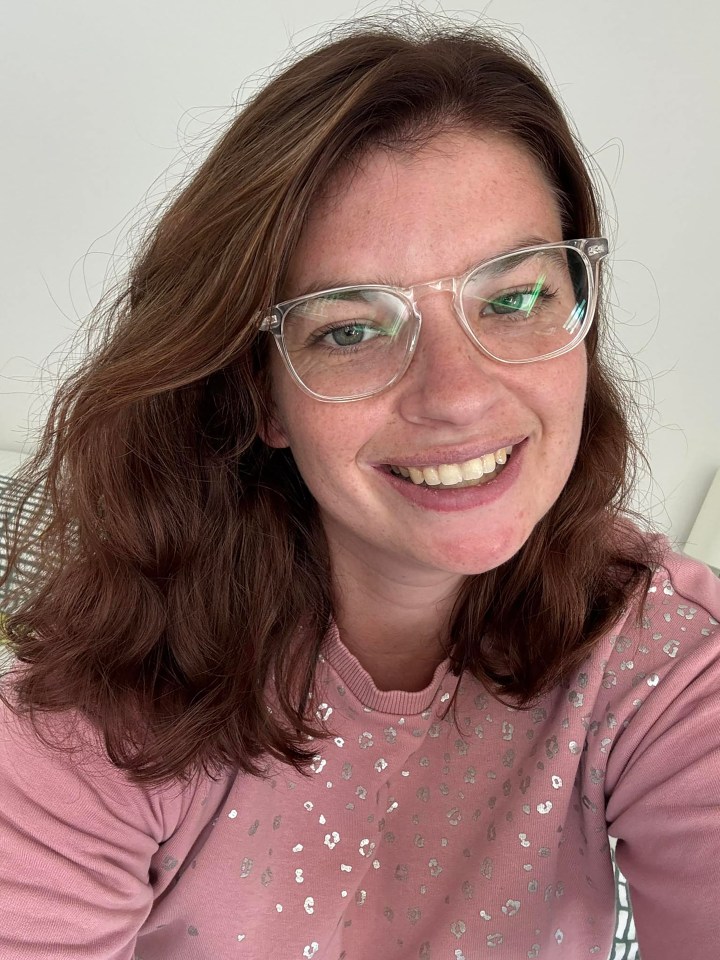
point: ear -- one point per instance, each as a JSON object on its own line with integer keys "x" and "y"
{"x": 272, "y": 433}
{"x": 271, "y": 429}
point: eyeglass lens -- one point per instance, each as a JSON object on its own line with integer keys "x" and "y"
{"x": 522, "y": 306}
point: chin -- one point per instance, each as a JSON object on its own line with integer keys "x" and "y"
{"x": 469, "y": 561}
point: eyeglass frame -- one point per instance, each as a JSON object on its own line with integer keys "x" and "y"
{"x": 592, "y": 250}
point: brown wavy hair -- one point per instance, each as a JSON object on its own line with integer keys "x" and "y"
{"x": 181, "y": 554}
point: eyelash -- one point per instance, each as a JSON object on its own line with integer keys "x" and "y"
{"x": 319, "y": 335}
{"x": 545, "y": 293}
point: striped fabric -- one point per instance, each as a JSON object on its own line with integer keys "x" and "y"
{"x": 27, "y": 565}
{"x": 624, "y": 947}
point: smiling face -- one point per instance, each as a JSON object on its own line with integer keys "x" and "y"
{"x": 402, "y": 219}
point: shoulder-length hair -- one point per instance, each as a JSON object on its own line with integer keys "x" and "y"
{"x": 183, "y": 568}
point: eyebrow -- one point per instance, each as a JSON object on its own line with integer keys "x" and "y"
{"x": 332, "y": 282}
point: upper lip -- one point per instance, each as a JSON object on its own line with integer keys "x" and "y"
{"x": 437, "y": 456}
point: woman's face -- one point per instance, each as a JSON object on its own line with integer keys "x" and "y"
{"x": 404, "y": 219}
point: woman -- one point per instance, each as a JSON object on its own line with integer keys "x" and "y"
{"x": 346, "y": 646}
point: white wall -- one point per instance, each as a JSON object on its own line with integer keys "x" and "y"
{"x": 98, "y": 98}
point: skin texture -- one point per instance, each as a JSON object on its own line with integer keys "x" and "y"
{"x": 405, "y": 218}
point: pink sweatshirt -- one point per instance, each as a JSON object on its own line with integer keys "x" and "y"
{"x": 409, "y": 839}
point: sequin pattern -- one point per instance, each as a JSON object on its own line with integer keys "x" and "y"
{"x": 416, "y": 837}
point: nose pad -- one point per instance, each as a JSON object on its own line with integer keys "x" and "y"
{"x": 445, "y": 285}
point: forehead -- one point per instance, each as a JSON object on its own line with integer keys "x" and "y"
{"x": 401, "y": 217}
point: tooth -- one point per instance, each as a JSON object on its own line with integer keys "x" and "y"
{"x": 500, "y": 455}
{"x": 488, "y": 462}
{"x": 431, "y": 476}
{"x": 472, "y": 470}
{"x": 508, "y": 450}
{"x": 416, "y": 475}
{"x": 450, "y": 473}
{"x": 404, "y": 472}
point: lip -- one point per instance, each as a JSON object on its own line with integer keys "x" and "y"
{"x": 437, "y": 456}
{"x": 449, "y": 500}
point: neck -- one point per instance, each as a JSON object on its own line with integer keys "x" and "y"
{"x": 397, "y": 630}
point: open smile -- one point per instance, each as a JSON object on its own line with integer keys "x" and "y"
{"x": 469, "y": 473}
{"x": 444, "y": 487}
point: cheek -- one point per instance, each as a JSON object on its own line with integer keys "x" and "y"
{"x": 570, "y": 405}
{"x": 560, "y": 405}
{"x": 327, "y": 442}
{"x": 317, "y": 435}
{"x": 577, "y": 388}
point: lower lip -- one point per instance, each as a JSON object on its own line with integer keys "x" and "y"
{"x": 447, "y": 500}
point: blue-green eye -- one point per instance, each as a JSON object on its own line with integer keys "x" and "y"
{"x": 349, "y": 335}
{"x": 512, "y": 303}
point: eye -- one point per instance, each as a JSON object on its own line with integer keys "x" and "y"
{"x": 349, "y": 335}
{"x": 514, "y": 301}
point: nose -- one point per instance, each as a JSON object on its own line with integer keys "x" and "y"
{"x": 449, "y": 380}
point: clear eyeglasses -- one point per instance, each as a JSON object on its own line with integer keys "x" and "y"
{"x": 531, "y": 304}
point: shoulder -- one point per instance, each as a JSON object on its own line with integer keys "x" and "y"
{"x": 72, "y": 821}
{"x": 678, "y": 619}
{"x": 59, "y": 768}
{"x": 657, "y": 673}
{"x": 687, "y": 578}
{"x": 653, "y": 678}
{"x": 667, "y": 630}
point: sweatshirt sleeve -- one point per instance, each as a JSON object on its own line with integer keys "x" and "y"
{"x": 76, "y": 842}
{"x": 663, "y": 776}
